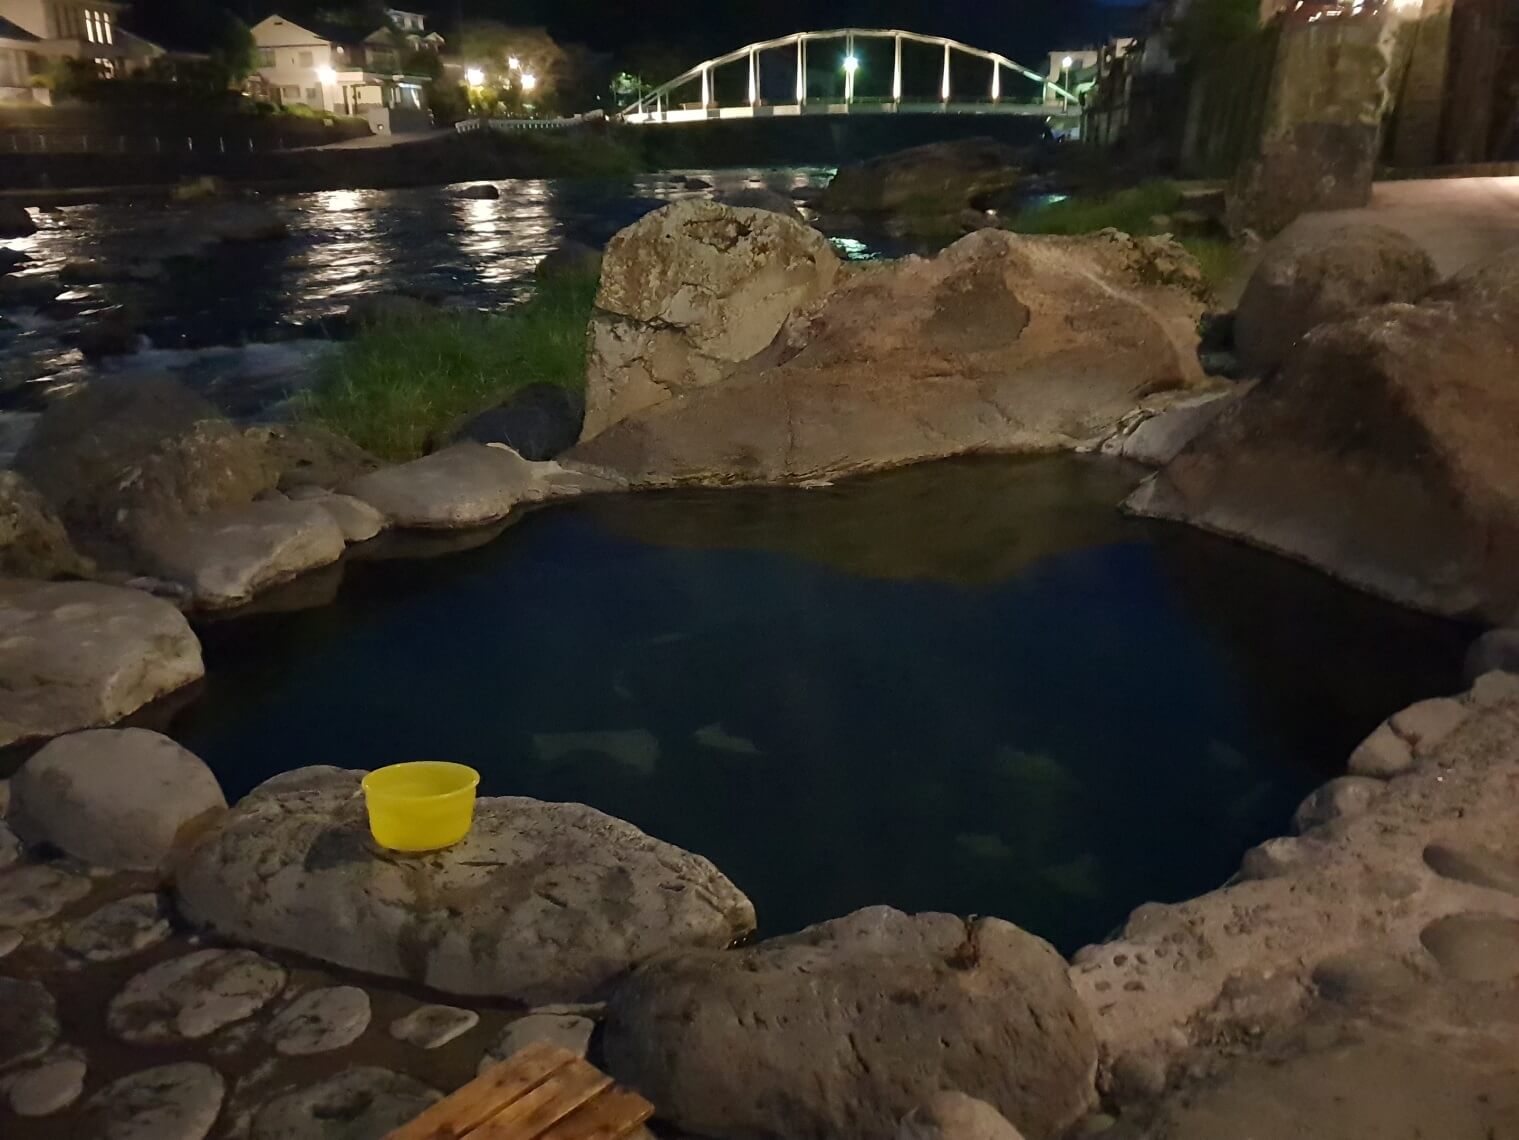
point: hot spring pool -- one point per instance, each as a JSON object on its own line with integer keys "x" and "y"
{"x": 968, "y": 686}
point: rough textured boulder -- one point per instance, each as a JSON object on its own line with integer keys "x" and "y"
{"x": 538, "y": 421}
{"x": 955, "y": 1116}
{"x": 1310, "y": 278}
{"x": 307, "y": 456}
{"x": 760, "y": 198}
{"x": 1382, "y": 453}
{"x": 542, "y": 902}
{"x": 33, "y": 541}
{"x": 690, "y": 292}
{"x": 77, "y": 655}
{"x": 123, "y": 457}
{"x": 118, "y": 798}
{"x": 225, "y": 557}
{"x": 940, "y": 179}
{"x": 465, "y": 485}
{"x": 1001, "y": 343}
{"x": 838, "y": 1032}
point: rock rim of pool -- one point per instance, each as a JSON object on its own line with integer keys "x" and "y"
{"x": 542, "y": 902}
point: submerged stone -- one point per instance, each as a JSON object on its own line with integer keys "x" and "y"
{"x": 48, "y": 1088}
{"x": 28, "y": 1021}
{"x": 567, "y": 1030}
{"x": 172, "y": 1102}
{"x": 119, "y": 929}
{"x": 360, "y": 1102}
{"x": 320, "y": 1021}
{"x": 433, "y": 1026}
{"x": 193, "y": 996}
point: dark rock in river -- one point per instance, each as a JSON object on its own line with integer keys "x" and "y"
{"x": 33, "y": 542}
{"x": 15, "y": 221}
{"x": 1313, "y": 277}
{"x": 538, "y": 421}
{"x": 10, "y": 258}
{"x": 940, "y": 178}
{"x": 838, "y": 1032}
{"x": 481, "y": 191}
{"x": 758, "y": 198}
{"x": 1382, "y": 452}
{"x": 696, "y": 184}
{"x": 27, "y": 292}
{"x": 108, "y": 334}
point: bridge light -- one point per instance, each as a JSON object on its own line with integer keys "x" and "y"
{"x": 474, "y": 77}
{"x": 851, "y": 64}
{"x": 529, "y": 81}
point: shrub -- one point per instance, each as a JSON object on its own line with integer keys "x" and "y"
{"x": 402, "y": 389}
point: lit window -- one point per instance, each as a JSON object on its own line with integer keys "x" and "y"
{"x": 108, "y": 27}
{"x": 91, "y": 30}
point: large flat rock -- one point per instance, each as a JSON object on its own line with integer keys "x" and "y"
{"x": 542, "y": 902}
{"x": 79, "y": 654}
{"x": 227, "y": 556}
{"x": 469, "y": 484}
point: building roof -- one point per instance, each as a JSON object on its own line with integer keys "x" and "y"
{"x": 346, "y": 35}
{"x": 10, "y": 31}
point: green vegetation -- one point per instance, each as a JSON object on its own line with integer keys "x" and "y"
{"x": 1133, "y": 211}
{"x": 400, "y": 389}
{"x": 1127, "y": 210}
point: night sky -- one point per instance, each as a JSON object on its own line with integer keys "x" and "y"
{"x": 1023, "y": 29}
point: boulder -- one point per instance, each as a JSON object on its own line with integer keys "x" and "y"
{"x": 237, "y": 223}
{"x": 15, "y": 221}
{"x": 570, "y": 259}
{"x": 1497, "y": 649}
{"x": 35, "y": 892}
{"x": 304, "y": 455}
{"x": 940, "y": 179}
{"x": 225, "y": 557}
{"x": 840, "y": 1031}
{"x": 118, "y": 798}
{"x": 319, "y": 1021}
{"x": 48, "y": 1088}
{"x": 464, "y": 485}
{"x": 119, "y": 929}
{"x": 482, "y": 190}
{"x": 690, "y": 292}
{"x": 1382, "y": 452}
{"x": 1309, "y": 278}
{"x": 110, "y": 334}
{"x": 1001, "y": 343}
{"x": 955, "y": 1116}
{"x": 538, "y": 421}
{"x": 569, "y": 1031}
{"x": 171, "y": 1102}
{"x": 122, "y": 457}
{"x": 199, "y": 189}
{"x": 33, "y": 541}
{"x": 29, "y": 292}
{"x": 1158, "y": 439}
{"x": 78, "y": 654}
{"x": 759, "y": 198}
{"x": 541, "y": 902}
{"x": 358, "y": 521}
{"x": 433, "y": 1026}
{"x": 1338, "y": 799}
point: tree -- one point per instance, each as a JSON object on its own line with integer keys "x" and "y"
{"x": 1209, "y": 27}
{"x": 524, "y": 67}
{"x": 233, "y": 51}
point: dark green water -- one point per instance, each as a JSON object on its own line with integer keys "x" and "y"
{"x": 968, "y": 686}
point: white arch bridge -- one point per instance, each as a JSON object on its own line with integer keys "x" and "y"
{"x": 834, "y": 73}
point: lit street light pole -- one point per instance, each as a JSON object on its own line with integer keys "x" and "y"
{"x": 1066, "y": 64}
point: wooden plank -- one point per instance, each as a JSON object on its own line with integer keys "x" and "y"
{"x": 455, "y": 1115}
{"x": 540, "y": 1108}
{"x": 611, "y": 1116}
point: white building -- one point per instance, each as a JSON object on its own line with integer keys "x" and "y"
{"x": 334, "y": 70}
{"x": 68, "y": 29}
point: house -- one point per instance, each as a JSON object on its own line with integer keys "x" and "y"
{"x": 16, "y": 47}
{"x": 66, "y": 29}
{"x": 336, "y": 70}
{"x": 412, "y": 27}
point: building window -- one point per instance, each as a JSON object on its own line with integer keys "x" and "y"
{"x": 290, "y": 94}
{"x": 92, "y": 29}
{"x": 266, "y": 57}
{"x": 303, "y": 59}
{"x": 108, "y": 27}
{"x": 314, "y": 96}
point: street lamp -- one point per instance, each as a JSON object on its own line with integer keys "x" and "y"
{"x": 1067, "y": 63}
{"x": 474, "y": 77}
{"x": 326, "y": 76}
{"x": 514, "y": 64}
{"x": 851, "y": 64}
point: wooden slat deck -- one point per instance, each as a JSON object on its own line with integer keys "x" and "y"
{"x": 542, "y": 1093}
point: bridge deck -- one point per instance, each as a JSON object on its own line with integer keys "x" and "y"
{"x": 796, "y": 110}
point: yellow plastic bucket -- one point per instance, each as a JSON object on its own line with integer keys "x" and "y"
{"x": 422, "y": 806}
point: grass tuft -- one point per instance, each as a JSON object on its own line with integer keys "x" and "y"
{"x": 400, "y": 390}
{"x": 1127, "y": 210}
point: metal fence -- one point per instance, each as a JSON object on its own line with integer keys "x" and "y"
{"x": 99, "y": 142}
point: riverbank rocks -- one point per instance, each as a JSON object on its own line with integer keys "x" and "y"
{"x": 193, "y": 996}
{"x": 33, "y": 541}
{"x": 320, "y": 1021}
{"x": 357, "y": 520}
{"x": 224, "y": 557}
{"x": 122, "y": 458}
{"x": 1381, "y": 453}
{"x": 465, "y": 485}
{"x": 33, "y": 892}
{"x": 690, "y": 292}
{"x": 570, "y": 259}
{"x": 433, "y": 1026}
{"x": 119, "y": 929}
{"x": 541, "y": 902}
{"x": 50, "y": 1087}
{"x": 171, "y": 1102}
{"x": 843, "y": 1029}
{"x": 1305, "y": 280}
{"x": 939, "y": 180}
{"x": 15, "y": 221}
{"x": 78, "y": 654}
{"x": 28, "y": 1021}
{"x": 955, "y": 1116}
{"x": 117, "y": 798}
{"x": 1001, "y": 343}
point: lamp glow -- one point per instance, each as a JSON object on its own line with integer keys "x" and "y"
{"x": 514, "y": 64}
{"x": 851, "y": 64}
{"x": 326, "y": 76}
{"x": 474, "y": 77}
{"x": 1067, "y": 63}
{"x": 529, "y": 81}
